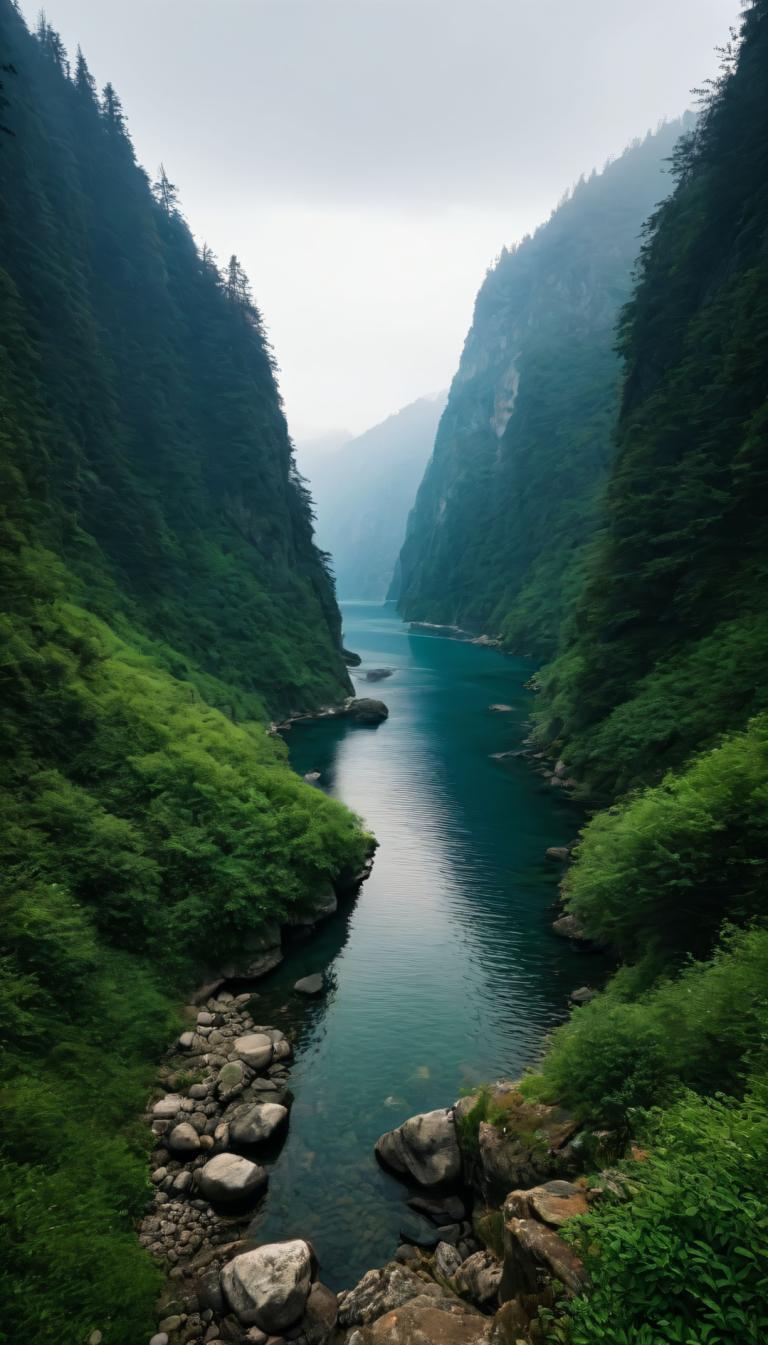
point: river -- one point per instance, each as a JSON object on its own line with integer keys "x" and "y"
{"x": 445, "y": 971}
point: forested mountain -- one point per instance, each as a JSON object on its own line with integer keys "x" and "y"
{"x": 669, "y": 641}
{"x": 509, "y": 498}
{"x": 662, "y": 670}
{"x": 362, "y": 494}
{"x": 161, "y": 594}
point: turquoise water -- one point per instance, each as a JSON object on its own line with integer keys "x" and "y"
{"x": 445, "y": 971}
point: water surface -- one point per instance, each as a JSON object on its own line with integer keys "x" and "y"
{"x": 445, "y": 972}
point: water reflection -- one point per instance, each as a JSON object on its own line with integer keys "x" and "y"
{"x": 445, "y": 971}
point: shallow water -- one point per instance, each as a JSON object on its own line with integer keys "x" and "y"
{"x": 445, "y": 971}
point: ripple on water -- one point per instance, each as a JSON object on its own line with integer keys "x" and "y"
{"x": 445, "y": 972}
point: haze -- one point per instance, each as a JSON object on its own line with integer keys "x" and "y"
{"x": 367, "y": 159}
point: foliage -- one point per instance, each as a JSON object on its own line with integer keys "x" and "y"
{"x": 635, "y": 1043}
{"x": 483, "y": 1108}
{"x": 685, "y": 1261}
{"x": 161, "y": 594}
{"x": 660, "y": 871}
{"x": 677, "y": 577}
{"x": 511, "y": 495}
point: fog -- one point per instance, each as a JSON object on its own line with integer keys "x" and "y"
{"x": 367, "y": 159}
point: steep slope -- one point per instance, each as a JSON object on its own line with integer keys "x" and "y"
{"x": 161, "y": 593}
{"x": 670, "y": 639}
{"x": 509, "y": 498}
{"x": 363, "y": 492}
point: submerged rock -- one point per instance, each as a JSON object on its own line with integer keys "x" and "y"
{"x": 310, "y": 985}
{"x": 424, "y": 1148}
{"x": 378, "y": 674}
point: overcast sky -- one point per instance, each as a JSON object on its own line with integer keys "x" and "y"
{"x": 367, "y": 159}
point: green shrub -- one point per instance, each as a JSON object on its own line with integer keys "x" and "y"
{"x": 706, "y": 1027}
{"x": 685, "y": 1261}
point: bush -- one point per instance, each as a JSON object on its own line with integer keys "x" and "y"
{"x": 706, "y": 1027}
{"x": 685, "y": 1261}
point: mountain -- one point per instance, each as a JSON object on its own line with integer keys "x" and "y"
{"x": 362, "y": 494}
{"x": 657, "y": 704}
{"x": 162, "y": 597}
{"x": 495, "y": 540}
{"x": 669, "y": 640}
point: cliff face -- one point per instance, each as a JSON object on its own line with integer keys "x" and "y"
{"x": 509, "y": 497}
{"x": 362, "y": 493}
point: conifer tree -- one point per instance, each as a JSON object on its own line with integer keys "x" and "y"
{"x": 166, "y": 193}
{"x": 85, "y": 84}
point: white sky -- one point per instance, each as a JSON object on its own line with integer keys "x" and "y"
{"x": 367, "y": 159}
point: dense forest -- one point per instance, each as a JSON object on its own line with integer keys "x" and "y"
{"x": 495, "y": 540}
{"x": 656, "y": 703}
{"x": 162, "y": 596}
{"x": 362, "y": 492}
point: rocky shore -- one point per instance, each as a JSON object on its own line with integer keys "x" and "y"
{"x": 490, "y": 1184}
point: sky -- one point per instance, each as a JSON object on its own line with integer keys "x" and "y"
{"x": 367, "y": 159}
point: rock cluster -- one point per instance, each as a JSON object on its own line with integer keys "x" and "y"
{"x": 227, "y": 1092}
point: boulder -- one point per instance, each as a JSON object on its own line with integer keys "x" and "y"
{"x": 569, "y": 927}
{"x": 366, "y": 711}
{"x": 319, "y": 1320}
{"x": 378, "y": 674}
{"x": 449, "y": 1210}
{"x": 310, "y": 985}
{"x": 447, "y": 1259}
{"x": 560, "y": 853}
{"x": 380, "y": 1291}
{"x": 184, "y": 1139}
{"x": 229, "y": 1179}
{"x": 254, "y": 1049}
{"x": 269, "y": 1286}
{"x": 255, "y": 1123}
{"x": 534, "y": 1255}
{"x": 230, "y": 1079}
{"x": 445, "y": 1321}
{"x": 478, "y": 1279}
{"x": 500, "y": 709}
{"x": 424, "y": 1148}
{"x": 167, "y": 1107}
{"x": 552, "y": 1203}
{"x": 525, "y": 1147}
{"x": 584, "y": 995}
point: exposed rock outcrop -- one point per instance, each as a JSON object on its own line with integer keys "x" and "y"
{"x": 424, "y": 1148}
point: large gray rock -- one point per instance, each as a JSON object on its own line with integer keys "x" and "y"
{"x": 184, "y": 1139}
{"x": 447, "y": 1259}
{"x": 365, "y": 710}
{"x": 424, "y": 1148}
{"x": 478, "y": 1278}
{"x": 255, "y": 1049}
{"x": 167, "y": 1107}
{"x": 269, "y": 1286}
{"x": 426, "y": 1320}
{"x": 229, "y": 1179}
{"x": 381, "y": 1291}
{"x": 255, "y": 1123}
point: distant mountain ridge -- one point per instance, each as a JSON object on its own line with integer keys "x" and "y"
{"x": 509, "y": 498}
{"x": 363, "y": 491}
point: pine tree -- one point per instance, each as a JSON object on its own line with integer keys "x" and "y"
{"x": 84, "y": 82}
{"x": 237, "y": 286}
{"x": 166, "y": 194}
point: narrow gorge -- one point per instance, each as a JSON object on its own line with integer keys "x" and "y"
{"x": 381, "y": 971}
